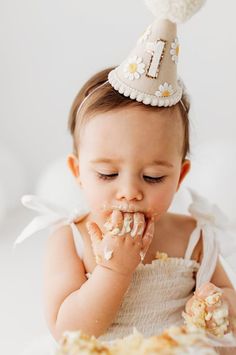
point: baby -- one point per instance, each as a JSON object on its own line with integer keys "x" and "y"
{"x": 130, "y": 160}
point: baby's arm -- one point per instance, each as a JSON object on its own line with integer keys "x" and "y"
{"x": 73, "y": 302}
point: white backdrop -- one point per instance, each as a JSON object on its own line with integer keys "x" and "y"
{"x": 49, "y": 48}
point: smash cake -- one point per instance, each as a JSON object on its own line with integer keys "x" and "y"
{"x": 173, "y": 341}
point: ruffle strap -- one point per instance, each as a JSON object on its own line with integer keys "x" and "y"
{"x": 51, "y": 215}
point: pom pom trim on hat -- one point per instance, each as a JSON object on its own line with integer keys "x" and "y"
{"x": 139, "y": 96}
{"x": 177, "y": 11}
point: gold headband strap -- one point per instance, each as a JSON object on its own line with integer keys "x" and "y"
{"x": 90, "y": 94}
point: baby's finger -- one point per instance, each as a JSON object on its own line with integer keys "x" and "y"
{"x": 127, "y": 224}
{"x": 138, "y": 225}
{"x": 117, "y": 219}
{"x": 114, "y": 222}
{"x": 207, "y": 289}
{"x": 148, "y": 236}
{"x": 94, "y": 232}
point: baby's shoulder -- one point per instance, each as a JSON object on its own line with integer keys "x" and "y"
{"x": 61, "y": 242}
{"x": 60, "y": 252}
{"x": 181, "y": 227}
{"x": 61, "y": 234}
{"x": 181, "y": 223}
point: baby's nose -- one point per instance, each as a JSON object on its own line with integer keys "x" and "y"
{"x": 129, "y": 192}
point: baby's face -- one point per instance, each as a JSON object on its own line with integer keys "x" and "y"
{"x": 131, "y": 159}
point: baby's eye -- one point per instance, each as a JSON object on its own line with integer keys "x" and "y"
{"x": 151, "y": 180}
{"x": 106, "y": 177}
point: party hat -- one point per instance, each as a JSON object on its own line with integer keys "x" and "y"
{"x": 149, "y": 74}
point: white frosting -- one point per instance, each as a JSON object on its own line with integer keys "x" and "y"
{"x": 213, "y": 299}
{"x": 107, "y": 253}
{"x": 115, "y": 231}
{"x": 127, "y": 224}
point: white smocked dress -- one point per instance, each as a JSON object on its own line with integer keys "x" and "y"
{"x": 158, "y": 291}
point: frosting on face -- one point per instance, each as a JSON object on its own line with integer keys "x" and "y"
{"x": 128, "y": 208}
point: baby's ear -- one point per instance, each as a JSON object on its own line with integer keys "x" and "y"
{"x": 72, "y": 162}
{"x": 186, "y": 166}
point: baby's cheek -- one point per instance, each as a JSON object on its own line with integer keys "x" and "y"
{"x": 92, "y": 200}
{"x": 160, "y": 203}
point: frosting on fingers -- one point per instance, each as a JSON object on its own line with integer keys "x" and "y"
{"x": 139, "y": 225}
{"x": 127, "y": 225}
{"x": 114, "y": 222}
{"x": 107, "y": 253}
{"x": 208, "y": 312}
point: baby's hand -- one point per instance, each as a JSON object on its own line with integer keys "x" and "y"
{"x": 124, "y": 243}
{"x": 208, "y": 310}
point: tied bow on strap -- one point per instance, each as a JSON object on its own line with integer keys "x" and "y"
{"x": 210, "y": 217}
{"x": 217, "y": 238}
{"x": 50, "y": 216}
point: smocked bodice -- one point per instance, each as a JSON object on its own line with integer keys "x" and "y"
{"x": 155, "y": 298}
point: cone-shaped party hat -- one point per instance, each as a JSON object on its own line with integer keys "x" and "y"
{"x": 149, "y": 74}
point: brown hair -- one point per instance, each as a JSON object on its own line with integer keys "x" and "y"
{"x": 106, "y": 99}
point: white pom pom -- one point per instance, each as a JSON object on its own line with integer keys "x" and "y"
{"x": 177, "y": 11}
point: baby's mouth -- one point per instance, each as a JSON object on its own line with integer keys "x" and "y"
{"x": 130, "y": 209}
{"x": 145, "y": 214}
